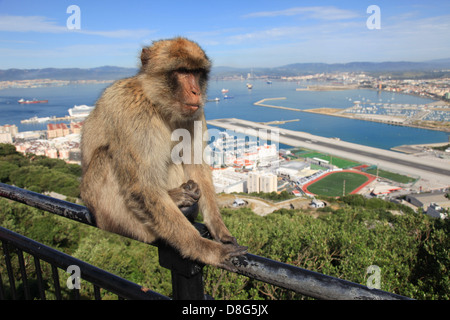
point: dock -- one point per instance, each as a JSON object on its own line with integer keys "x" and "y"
{"x": 279, "y": 121}
{"x": 262, "y": 104}
{"x": 51, "y": 119}
{"x": 328, "y": 88}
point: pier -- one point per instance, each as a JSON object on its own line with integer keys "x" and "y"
{"x": 51, "y": 119}
{"x": 262, "y": 104}
{"x": 280, "y": 121}
{"x": 328, "y": 88}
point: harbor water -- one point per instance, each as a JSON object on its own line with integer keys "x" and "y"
{"x": 238, "y": 102}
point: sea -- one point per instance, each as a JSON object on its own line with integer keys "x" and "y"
{"x": 238, "y": 102}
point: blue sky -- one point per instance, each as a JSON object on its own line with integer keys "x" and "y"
{"x": 34, "y": 34}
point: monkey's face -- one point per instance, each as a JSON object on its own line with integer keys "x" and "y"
{"x": 176, "y": 75}
{"x": 188, "y": 88}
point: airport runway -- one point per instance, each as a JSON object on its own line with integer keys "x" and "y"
{"x": 436, "y": 170}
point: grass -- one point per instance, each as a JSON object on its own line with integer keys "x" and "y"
{"x": 332, "y": 185}
{"x": 391, "y": 176}
{"x": 339, "y": 162}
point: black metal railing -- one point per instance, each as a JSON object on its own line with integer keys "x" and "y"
{"x": 187, "y": 278}
{"x": 100, "y": 279}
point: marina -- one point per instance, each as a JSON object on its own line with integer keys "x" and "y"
{"x": 412, "y": 115}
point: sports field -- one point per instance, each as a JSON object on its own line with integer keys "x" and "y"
{"x": 332, "y": 184}
{"x": 338, "y": 162}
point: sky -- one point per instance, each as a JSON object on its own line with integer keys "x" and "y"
{"x": 41, "y": 34}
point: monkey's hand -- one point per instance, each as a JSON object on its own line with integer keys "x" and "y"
{"x": 220, "y": 233}
{"x": 186, "y": 195}
{"x": 229, "y": 251}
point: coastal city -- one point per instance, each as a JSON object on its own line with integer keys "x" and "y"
{"x": 41, "y": 83}
{"x": 245, "y": 166}
{"x": 438, "y": 89}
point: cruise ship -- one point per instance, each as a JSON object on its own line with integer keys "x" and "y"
{"x": 81, "y": 111}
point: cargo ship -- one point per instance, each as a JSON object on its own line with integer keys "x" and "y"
{"x": 23, "y": 101}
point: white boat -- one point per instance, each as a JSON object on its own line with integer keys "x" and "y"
{"x": 80, "y": 111}
{"x": 35, "y": 119}
{"x": 225, "y": 90}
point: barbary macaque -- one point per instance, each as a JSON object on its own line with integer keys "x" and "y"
{"x": 130, "y": 182}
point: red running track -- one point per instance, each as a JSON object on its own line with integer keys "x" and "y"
{"x": 369, "y": 176}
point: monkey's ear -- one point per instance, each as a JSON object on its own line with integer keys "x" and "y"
{"x": 145, "y": 56}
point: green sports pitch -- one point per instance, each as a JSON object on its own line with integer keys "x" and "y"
{"x": 333, "y": 184}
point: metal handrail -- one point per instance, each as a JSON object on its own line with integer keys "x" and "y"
{"x": 92, "y": 274}
{"x": 293, "y": 278}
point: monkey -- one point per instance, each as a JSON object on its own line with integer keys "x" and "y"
{"x": 129, "y": 181}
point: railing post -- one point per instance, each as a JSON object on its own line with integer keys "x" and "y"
{"x": 187, "y": 275}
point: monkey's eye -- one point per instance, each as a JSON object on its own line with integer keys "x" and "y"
{"x": 189, "y": 71}
{"x": 183, "y": 71}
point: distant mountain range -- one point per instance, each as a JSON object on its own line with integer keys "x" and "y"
{"x": 100, "y": 73}
{"x": 112, "y": 73}
{"x": 400, "y": 67}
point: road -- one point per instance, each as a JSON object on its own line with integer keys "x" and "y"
{"x": 435, "y": 170}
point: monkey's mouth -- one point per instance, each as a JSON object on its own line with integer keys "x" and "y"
{"x": 191, "y": 107}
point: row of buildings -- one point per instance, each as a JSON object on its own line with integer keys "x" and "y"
{"x": 59, "y": 141}
{"x": 430, "y": 88}
{"x": 57, "y": 130}
{"x": 67, "y": 148}
{"x": 230, "y": 180}
{"x": 10, "y": 133}
{"x": 39, "y": 83}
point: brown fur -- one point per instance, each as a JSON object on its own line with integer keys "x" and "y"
{"x": 129, "y": 180}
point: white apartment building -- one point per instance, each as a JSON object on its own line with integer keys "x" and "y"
{"x": 228, "y": 181}
{"x": 268, "y": 183}
{"x": 5, "y": 137}
{"x": 261, "y": 182}
{"x": 7, "y": 133}
{"x": 253, "y": 182}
